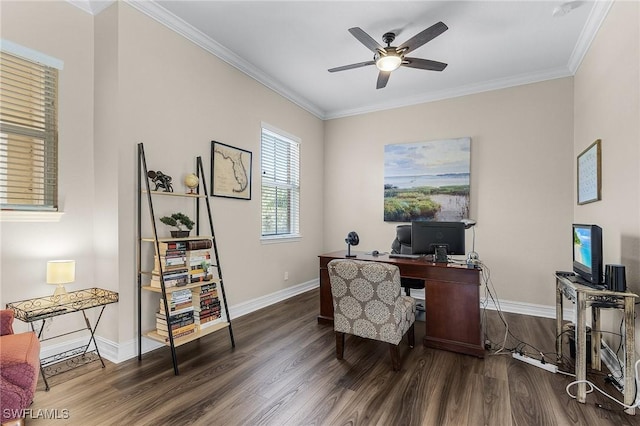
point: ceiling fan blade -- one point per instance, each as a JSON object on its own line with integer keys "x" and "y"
{"x": 352, "y": 66}
{"x": 422, "y": 37}
{"x": 423, "y": 64}
{"x": 383, "y": 77}
{"x": 366, "y": 39}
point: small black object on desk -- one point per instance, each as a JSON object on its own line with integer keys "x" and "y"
{"x": 351, "y": 240}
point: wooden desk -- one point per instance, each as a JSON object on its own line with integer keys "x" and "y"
{"x": 452, "y": 298}
{"x": 586, "y": 297}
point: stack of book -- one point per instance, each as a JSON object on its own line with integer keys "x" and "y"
{"x": 181, "y": 315}
{"x": 206, "y": 304}
{"x": 198, "y": 262}
{"x": 172, "y": 278}
{"x": 173, "y": 259}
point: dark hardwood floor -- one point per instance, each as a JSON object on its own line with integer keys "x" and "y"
{"x": 283, "y": 371}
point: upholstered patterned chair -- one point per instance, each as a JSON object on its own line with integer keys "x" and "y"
{"x": 367, "y": 303}
{"x": 19, "y": 369}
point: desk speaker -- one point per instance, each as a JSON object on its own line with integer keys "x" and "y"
{"x": 615, "y": 278}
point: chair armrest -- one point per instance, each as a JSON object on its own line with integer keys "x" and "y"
{"x": 6, "y": 322}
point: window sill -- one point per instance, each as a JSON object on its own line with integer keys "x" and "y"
{"x": 281, "y": 239}
{"x": 28, "y": 216}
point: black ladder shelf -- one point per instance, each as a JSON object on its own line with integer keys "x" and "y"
{"x": 215, "y": 261}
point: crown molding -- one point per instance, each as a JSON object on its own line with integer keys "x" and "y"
{"x": 471, "y": 89}
{"x": 589, "y": 31}
{"x": 92, "y": 7}
{"x": 168, "y": 19}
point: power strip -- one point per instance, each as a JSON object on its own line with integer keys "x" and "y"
{"x": 545, "y": 366}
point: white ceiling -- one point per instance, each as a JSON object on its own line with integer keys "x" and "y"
{"x": 289, "y": 45}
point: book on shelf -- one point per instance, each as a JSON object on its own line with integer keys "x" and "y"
{"x": 178, "y": 323}
{"x": 178, "y": 301}
{"x": 177, "y": 328}
{"x": 210, "y": 323}
{"x": 175, "y": 316}
{"x": 172, "y": 278}
{"x": 206, "y": 243}
{"x": 171, "y": 246}
{"x": 170, "y": 262}
{"x": 176, "y": 335}
{"x": 198, "y": 255}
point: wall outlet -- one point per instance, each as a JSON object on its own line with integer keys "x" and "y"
{"x": 286, "y": 276}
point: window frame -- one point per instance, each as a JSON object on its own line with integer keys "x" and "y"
{"x": 47, "y": 211}
{"x": 294, "y": 233}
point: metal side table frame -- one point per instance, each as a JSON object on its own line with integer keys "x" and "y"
{"x": 42, "y": 308}
{"x": 586, "y": 297}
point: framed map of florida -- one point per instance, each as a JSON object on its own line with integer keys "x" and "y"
{"x": 230, "y": 171}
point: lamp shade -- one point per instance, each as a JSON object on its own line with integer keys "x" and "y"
{"x": 61, "y": 271}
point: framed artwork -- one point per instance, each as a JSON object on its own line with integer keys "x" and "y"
{"x": 230, "y": 171}
{"x": 589, "y": 174}
{"x": 427, "y": 180}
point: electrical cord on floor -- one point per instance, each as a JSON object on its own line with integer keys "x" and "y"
{"x": 593, "y": 386}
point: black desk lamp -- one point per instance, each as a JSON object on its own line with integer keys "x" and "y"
{"x": 351, "y": 240}
{"x": 473, "y": 258}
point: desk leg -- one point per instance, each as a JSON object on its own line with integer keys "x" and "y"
{"x": 596, "y": 338}
{"x": 629, "y": 354}
{"x": 558, "y": 321}
{"x": 581, "y": 346}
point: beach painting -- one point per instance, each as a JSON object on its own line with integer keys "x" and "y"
{"x": 427, "y": 180}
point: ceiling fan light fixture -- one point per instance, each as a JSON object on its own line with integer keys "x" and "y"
{"x": 388, "y": 62}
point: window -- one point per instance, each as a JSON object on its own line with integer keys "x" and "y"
{"x": 280, "y": 166}
{"x": 28, "y": 134}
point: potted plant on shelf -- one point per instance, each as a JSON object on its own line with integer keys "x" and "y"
{"x": 205, "y": 267}
{"x": 178, "y": 220}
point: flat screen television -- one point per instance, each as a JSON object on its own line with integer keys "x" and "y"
{"x": 433, "y": 237}
{"x": 587, "y": 252}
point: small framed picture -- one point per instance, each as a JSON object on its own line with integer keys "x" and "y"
{"x": 230, "y": 171}
{"x": 589, "y": 174}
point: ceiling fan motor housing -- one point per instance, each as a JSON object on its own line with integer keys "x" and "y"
{"x": 388, "y": 38}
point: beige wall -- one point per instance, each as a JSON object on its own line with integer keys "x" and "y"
{"x": 151, "y": 86}
{"x": 175, "y": 98}
{"x": 607, "y": 107}
{"x": 64, "y": 32}
{"x": 521, "y": 184}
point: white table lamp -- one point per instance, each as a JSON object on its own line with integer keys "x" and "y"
{"x": 61, "y": 272}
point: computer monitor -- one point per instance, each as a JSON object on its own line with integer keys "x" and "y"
{"x": 439, "y": 238}
{"x": 587, "y": 252}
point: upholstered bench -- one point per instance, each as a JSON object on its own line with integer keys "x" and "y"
{"x": 19, "y": 369}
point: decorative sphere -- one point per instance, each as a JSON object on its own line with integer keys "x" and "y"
{"x": 191, "y": 181}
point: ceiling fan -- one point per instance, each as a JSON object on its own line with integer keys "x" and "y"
{"x": 390, "y": 58}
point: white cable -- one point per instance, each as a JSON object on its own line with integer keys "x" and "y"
{"x": 486, "y": 275}
{"x": 592, "y": 387}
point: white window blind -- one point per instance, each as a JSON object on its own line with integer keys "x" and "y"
{"x": 280, "y": 167}
{"x": 28, "y": 134}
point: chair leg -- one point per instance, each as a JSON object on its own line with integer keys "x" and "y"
{"x": 339, "y": 345}
{"x": 411, "y": 335}
{"x": 395, "y": 356}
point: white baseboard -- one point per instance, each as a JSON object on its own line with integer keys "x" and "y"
{"x": 531, "y": 309}
{"x": 270, "y": 299}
